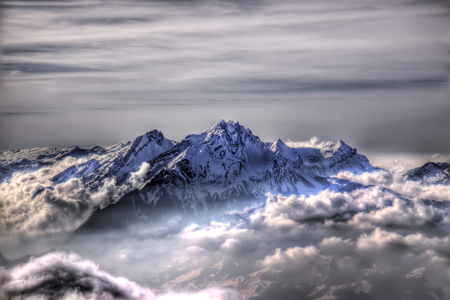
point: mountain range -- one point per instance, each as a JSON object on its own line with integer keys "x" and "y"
{"x": 213, "y": 169}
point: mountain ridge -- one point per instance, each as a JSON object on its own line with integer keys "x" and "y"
{"x": 222, "y": 164}
{"x": 216, "y": 168}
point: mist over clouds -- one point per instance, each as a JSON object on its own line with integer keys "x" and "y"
{"x": 338, "y": 245}
{"x": 374, "y": 74}
{"x": 386, "y": 238}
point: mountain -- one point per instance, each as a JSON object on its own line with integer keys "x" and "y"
{"x": 431, "y": 173}
{"x": 32, "y": 159}
{"x": 216, "y": 168}
{"x": 228, "y": 162}
{"x": 334, "y": 157}
{"x": 120, "y": 163}
{"x": 225, "y": 163}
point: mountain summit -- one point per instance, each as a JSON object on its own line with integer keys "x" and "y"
{"x": 215, "y": 168}
{"x": 119, "y": 164}
{"x": 218, "y": 167}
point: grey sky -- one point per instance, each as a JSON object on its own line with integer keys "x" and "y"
{"x": 373, "y": 73}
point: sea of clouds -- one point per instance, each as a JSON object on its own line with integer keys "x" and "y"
{"x": 352, "y": 69}
{"x": 387, "y": 240}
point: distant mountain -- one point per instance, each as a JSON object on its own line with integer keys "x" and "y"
{"x": 431, "y": 173}
{"x": 31, "y": 159}
{"x": 334, "y": 157}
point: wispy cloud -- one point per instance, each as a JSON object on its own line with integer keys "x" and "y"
{"x": 253, "y": 54}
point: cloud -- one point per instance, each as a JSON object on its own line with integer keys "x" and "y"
{"x": 396, "y": 180}
{"x": 37, "y": 214}
{"x": 282, "y": 210}
{"x": 296, "y": 258}
{"x": 331, "y": 244}
{"x": 136, "y": 178}
{"x": 68, "y": 276}
{"x": 313, "y": 142}
{"x": 41, "y": 68}
{"x": 281, "y": 59}
{"x": 440, "y": 158}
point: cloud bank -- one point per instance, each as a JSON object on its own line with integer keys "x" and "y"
{"x": 67, "y": 276}
{"x": 396, "y": 180}
{"x": 36, "y": 214}
{"x": 388, "y": 237}
{"x": 368, "y": 244}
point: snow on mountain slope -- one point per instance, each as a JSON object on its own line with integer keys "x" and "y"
{"x": 225, "y": 163}
{"x": 119, "y": 164}
{"x": 334, "y": 157}
{"x": 431, "y": 173}
{"x": 228, "y": 162}
{"x": 30, "y": 159}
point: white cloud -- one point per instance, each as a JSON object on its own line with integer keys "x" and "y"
{"x": 295, "y": 242}
{"x": 313, "y": 142}
{"x": 296, "y": 258}
{"x": 68, "y": 276}
{"x": 282, "y": 211}
{"x": 137, "y": 177}
{"x": 396, "y": 181}
{"x": 38, "y": 214}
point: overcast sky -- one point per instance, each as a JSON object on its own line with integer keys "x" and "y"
{"x": 372, "y": 73}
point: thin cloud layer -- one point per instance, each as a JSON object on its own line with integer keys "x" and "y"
{"x": 331, "y": 68}
{"x": 313, "y": 142}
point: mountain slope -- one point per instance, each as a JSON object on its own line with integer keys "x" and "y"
{"x": 216, "y": 168}
{"x": 119, "y": 164}
{"x": 225, "y": 163}
{"x": 31, "y": 159}
{"x": 431, "y": 173}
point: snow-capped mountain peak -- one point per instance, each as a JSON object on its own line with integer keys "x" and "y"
{"x": 231, "y": 129}
{"x": 147, "y": 146}
{"x": 336, "y": 148}
{"x": 230, "y": 137}
{"x": 121, "y": 163}
{"x": 279, "y": 148}
{"x": 431, "y": 173}
{"x": 223, "y": 164}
